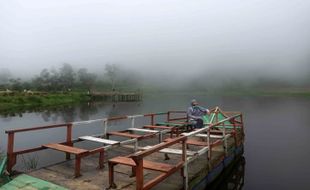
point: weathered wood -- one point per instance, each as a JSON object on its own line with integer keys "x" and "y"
{"x": 162, "y": 177}
{"x": 101, "y": 159}
{"x": 196, "y": 143}
{"x": 35, "y": 128}
{"x": 99, "y": 140}
{"x": 160, "y": 146}
{"x": 211, "y": 136}
{"x": 77, "y": 171}
{"x": 139, "y": 172}
{"x": 64, "y": 148}
{"x": 122, "y": 160}
{"x": 124, "y": 134}
{"x": 69, "y": 138}
{"x": 156, "y": 127}
{"x": 156, "y": 166}
{"x": 142, "y": 130}
{"x": 10, "y": 152}
{"x": 173, "y": 130}
{"x": 171, "y": 151}
{"x": 70, "y": 150}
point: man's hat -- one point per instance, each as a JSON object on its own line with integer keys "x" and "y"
{"x": 193, "y": 101}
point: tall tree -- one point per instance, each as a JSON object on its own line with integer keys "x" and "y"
{"x": 67, "y": 76}
{"x": 87, "y": 79}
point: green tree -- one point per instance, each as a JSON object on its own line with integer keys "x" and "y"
{"x": 86, "y": 79}
{"x": 16, "y": 84}
{"x": 67, "y": 76}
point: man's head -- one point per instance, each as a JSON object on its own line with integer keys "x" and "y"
{"x": 194, "y": 102}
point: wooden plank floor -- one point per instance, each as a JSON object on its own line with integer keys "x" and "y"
{"x": 97, "y": 179}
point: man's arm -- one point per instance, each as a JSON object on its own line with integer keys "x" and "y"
{"x": 205, "y": 110}
{"x": 190, "y": 114}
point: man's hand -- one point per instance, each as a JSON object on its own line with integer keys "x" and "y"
{"x": 208, "y": 112}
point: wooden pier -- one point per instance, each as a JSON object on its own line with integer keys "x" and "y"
{"x": 116, "y": 96}
{"x": 152, "y": 157}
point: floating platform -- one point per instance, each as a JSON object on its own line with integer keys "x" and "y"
{"x": 150, "y": 158}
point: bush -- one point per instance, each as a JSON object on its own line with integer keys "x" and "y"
{"x": 34, "y": 99}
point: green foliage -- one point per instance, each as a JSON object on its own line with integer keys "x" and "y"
{"x": 20, "y": 100}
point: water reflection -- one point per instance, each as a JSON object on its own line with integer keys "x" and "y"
{"x": 231, "y": 179}
{"x": 53, "y": 114}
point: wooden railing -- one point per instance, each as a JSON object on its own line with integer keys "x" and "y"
{"x": 12, "y": 154}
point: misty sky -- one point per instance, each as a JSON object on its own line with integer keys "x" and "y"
{"x": 179, "y": 37}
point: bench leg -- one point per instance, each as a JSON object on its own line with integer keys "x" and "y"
{"x": 133, "y": 172}
{"x": 111, "y": 176}
{"x": 68, "y": 156}
{"x": 101, "y": 159}
{"x": 77, "y": 172}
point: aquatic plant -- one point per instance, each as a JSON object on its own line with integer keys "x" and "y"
{"x": 31, "y": 162}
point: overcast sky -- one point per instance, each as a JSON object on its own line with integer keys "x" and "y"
{"x": 180, "y": 37}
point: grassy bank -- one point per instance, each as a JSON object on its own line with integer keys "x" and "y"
{"x": 29, "y": 101}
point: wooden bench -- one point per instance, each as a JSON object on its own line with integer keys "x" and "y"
{"x": 156, "y": 166}
{"x": 124, "y": 134}
{"x": 128, "y": 133}
{"x": 172, "y": 129}
{"x": 191, "y": 142}
{"x": 78, "y": 152}
{"x": 138, "y": 164}
{"x": 143, "y": 130}
{"x": 99, "y": 140}
{"x": 186, "y": 126}
{"x": 171, "y": 151}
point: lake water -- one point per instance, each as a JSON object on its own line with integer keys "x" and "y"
{"x": 277, "y": 154}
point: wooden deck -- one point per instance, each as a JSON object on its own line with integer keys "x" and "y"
{"x": 177, "y": 161}
{"x": 93, "y": 178}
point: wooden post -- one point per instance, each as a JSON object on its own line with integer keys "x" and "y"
{"x": 241, "y": 120}
{"x": 209, "y": 147}
{"x": 168, "y": 116}
{"x": 69, "y": 139}
{"x": 101, "y": 159}
{"x": 235, "y": 132}
{"x": 152, "y": 119}
{"x": 225, "y": 140}
{"x": 185, "y": 168}
{"x": 77, "y": 166}
{"x": 111, "y": 175}
{"x": 105, "y": 126}
{"x": 133, "y": 122}
{"x": 10, "y": 152}
{"x": 139, "y": 172}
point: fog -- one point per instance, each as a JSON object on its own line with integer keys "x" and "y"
{"x": 166, "y": 41}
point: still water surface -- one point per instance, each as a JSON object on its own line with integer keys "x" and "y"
{"x": 277, "y": 154}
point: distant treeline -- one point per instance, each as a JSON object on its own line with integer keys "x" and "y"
{"x": 66, "y": 78}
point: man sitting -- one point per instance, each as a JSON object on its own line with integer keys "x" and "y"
{"x": 195, "y": 113}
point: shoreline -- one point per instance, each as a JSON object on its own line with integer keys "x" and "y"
{"x": 21, "y": 102}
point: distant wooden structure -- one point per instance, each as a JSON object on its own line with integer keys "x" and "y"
{"x": 116, "y": 96}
